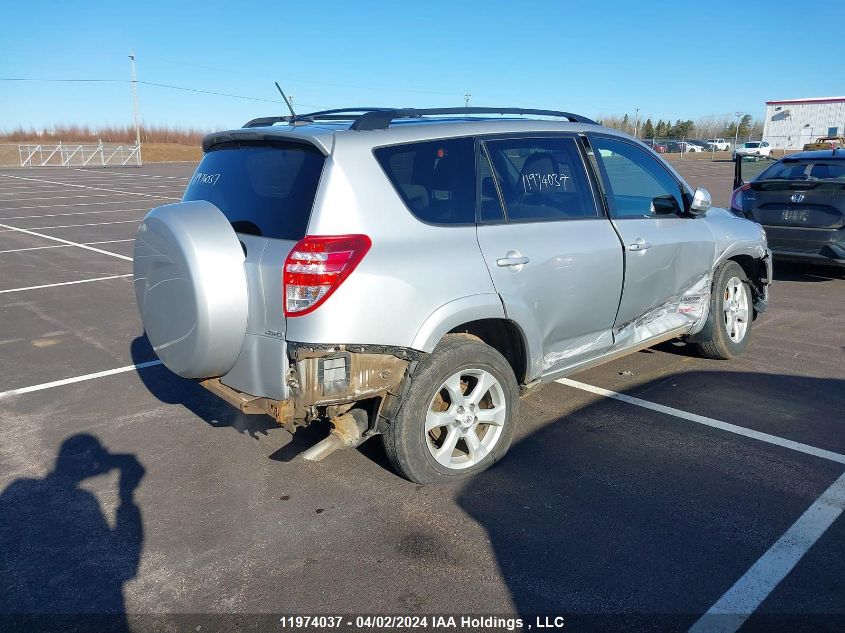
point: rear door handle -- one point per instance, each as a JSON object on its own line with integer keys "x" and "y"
{"x": 639, "y": 245}
{"x": 512, "y": 261}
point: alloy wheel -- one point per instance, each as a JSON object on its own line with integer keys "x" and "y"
{"x": 465, "y": 419}
{"x": 735, "y": 306}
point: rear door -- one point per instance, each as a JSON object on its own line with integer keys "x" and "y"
{"x": 668, "y": 254}
{"x": 554, "y": 257}
{"x": 266, "y": 190}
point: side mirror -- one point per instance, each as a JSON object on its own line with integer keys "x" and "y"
{"x": 665, "y": 205}
{"x": 700, "y": 202}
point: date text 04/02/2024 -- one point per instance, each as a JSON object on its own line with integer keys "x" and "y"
{"x": 378, "y": 622}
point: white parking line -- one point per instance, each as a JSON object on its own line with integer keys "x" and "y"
{"x": 55, "y": 184}
{"x": 17, "y": 187}
{"x": 12, "y": 192}
{"x": 64, "y": 283}
{"x": 748, "y": 593}
{"x": 41, "y": 248}
{"x": 59, "y": 215}
{"x": 69, "y": 381}
{"x": 701, "y": 419}
{"x": 112, "y": 173}
{"x": 87, "y": 195}
{"x": 68, "y": 242}
{"x": 63, "y": 204}
{"x": 49, "y": 182}
{"x": 71, "y": 226}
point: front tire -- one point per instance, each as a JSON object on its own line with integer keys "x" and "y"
{"x": 459, "y": 415}
{"x": 728, "y": 328}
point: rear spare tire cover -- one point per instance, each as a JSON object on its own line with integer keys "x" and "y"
{"x": 191, "y": 288}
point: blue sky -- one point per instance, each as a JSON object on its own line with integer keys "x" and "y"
{"x": 670, "y": 59}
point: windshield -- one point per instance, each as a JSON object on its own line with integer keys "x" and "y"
{"x": 751, "y": 145}
{"x": 805, "y": 170}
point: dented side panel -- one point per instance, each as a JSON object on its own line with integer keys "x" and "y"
{"x": 683, "y": 312}
{"x": 684, "y": 309}
{"x": 673, "y": 254}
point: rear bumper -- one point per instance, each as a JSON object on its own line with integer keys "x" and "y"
{"x": 317, "y": 380}
{"x": 822, "y": 246}
{"x": 261, "y": 368}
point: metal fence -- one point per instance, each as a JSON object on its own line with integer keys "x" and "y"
{"x": 698, "y": 148}
{"x": 78, "y": 155}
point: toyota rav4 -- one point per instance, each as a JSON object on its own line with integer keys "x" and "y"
{"x": 412, "y": 273}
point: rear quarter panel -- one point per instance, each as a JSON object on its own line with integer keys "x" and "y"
{"x": 411, "y": 271}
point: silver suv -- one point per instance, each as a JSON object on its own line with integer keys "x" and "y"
{"x": 412, "y": 273}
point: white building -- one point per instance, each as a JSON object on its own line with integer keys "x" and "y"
{"x": 792, "y": 122}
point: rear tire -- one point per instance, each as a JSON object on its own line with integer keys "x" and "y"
{"x": 458, "y": 416}
{"x": 728, "y": 328}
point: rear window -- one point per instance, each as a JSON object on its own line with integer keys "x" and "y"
{"x": 435, "y": 179}
{"x": 264, "y": 189}
{"x": 806, "y": 170}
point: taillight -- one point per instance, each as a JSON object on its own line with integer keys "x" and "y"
{"x": 316, "y": 266}
{"x": 737, "y": 200}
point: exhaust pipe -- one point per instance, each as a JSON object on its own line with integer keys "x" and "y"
{"x": 348, "y": 432}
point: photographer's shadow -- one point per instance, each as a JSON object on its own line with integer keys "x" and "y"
{"x": 58, "y": 553}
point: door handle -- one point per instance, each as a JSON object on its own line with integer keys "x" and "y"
{"x": 512, "y": 261}
{"x": 639, "y": 245}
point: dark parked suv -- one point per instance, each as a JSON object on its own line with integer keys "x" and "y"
{"x": 799, "y": 200}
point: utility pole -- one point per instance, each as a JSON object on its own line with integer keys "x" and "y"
{"x": 739, "y": 116}
{"x": 134, "y": 83}
{"x": 466, "y": 99}
{"x": 636, "y": 121}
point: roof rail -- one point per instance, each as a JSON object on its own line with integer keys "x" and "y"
{"x": 381, "y": 119}
{"x": 337, "y": 114}
{"x": 266, "y": 120}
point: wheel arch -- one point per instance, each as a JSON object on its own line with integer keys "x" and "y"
{"x": 482, "y": 316}
{"x": 504, "y": 336}
{"x": 752, "y": 258}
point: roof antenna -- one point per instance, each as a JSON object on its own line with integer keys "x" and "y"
{"x": 287, "y": 102}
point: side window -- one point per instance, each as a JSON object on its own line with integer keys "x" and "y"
{"x": 541, "y": 179}
{"x": 639, "y": 184}
{"x": 435, "y": 179}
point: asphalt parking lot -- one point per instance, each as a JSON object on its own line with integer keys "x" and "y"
{"x": 705, "y": 487}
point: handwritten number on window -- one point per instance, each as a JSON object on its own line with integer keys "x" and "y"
{"x": 536, "y": 182}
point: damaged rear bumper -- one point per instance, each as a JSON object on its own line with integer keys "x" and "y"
{"x": 327, "y": 380}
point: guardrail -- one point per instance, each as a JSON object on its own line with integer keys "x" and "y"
{"x": 78, "y": 155}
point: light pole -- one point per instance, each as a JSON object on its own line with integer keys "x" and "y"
{"x": 739, "y": 116}
{"x": 134, "y": 83}
{"x": 466, "y": 99}
{"x": 636, "y": 121}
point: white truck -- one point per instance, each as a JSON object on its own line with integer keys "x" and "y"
{"x": 719, "y": 144}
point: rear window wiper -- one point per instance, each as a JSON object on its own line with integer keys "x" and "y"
{"x": 247, "y": 227}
